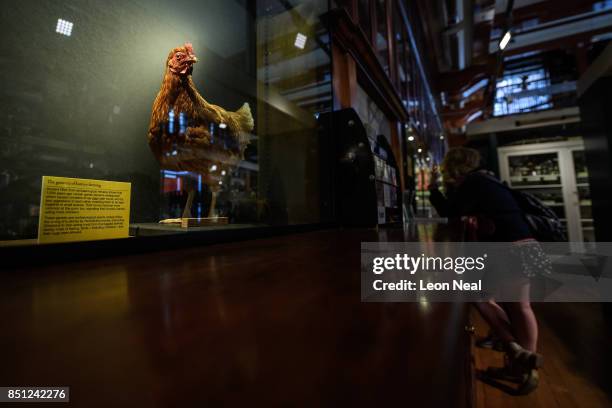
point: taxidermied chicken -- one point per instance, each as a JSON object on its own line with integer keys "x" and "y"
{"x": 188, "y": 133}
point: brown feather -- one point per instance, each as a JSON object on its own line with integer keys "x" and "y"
{"x": 180, "y": 93}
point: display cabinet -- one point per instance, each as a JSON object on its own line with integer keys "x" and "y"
{"x": 386, "y": 175}
{"x": 556, "y": 173}
{"x": 207, "y": 114}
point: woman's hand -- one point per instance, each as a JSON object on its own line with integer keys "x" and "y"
{"x": 433, "y": 181}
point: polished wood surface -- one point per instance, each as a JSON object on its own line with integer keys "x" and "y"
{"x": 271, "y": 322}
{"x": 575, "y": 343}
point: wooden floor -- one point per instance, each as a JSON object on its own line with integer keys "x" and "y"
{"x": 270, "y": 322}
{"x": 577, "y": 372}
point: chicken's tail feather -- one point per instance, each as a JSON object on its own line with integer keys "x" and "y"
{"x": 245, "y": 118}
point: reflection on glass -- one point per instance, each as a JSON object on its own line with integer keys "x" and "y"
{"x": 423, "y": 171}
{"x": 382, "y": 46}
{"x": 402, "y": 49}
{"x": 584, "y": 196}
{"x": 588, "y": 231}
{"x": 582, "y": 174}
{"x": 81, "y": 105}
{"x": 365, "y": 16}
{"x": 516, "y": 91}
{"x": 534, "y": 169}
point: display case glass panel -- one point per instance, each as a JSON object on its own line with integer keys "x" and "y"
{"x": 401, "y": 50}
{"x": 555, "y": 172}
{"x": 365, "y": 17}
{"x": 583, "y": 195}
{"x": 534, "y": 169}
{"x": 82, "y": 78}
{"x": 539, "y": 174}
{"x": 382, "y": 45}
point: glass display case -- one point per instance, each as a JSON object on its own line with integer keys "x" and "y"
{"x": 556, "y": 174}
{"x": 388, "y": 192}
{"x": 583, "y": 195}
{"x": 208, "y": 106}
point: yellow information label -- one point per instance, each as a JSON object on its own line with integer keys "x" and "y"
{"x": 74, "y": 209}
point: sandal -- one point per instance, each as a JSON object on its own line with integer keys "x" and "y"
{"x": 520, "y": 367}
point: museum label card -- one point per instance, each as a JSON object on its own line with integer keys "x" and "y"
{"x": 73, "y": 209}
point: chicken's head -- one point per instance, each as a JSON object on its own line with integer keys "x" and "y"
{"x": 181, "y": 59}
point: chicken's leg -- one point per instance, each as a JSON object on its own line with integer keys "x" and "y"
{"x": 213, "y": 203}
{"x": 188, "y": 204}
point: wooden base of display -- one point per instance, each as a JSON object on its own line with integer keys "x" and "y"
{"x": 196, "y": 222}
{"x": 200, "y": 222}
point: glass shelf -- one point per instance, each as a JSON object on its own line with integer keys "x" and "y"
{"x": 537, "y": 186}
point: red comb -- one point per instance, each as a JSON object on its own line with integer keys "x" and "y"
{"x": 189, "y": 47}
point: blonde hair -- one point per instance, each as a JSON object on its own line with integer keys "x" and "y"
{"x": 458, "y": 162}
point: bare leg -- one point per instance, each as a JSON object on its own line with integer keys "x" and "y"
{"x": 522, "y": 319}
{"x": 524, "y": 324}
{"x": 520, "y": 333}
{"x": 497, "y": 320}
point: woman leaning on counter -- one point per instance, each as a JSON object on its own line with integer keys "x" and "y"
{"x": 490, "y": 213}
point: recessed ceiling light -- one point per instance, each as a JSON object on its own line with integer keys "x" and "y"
{"x": 505, "y": 40}
{"x": 64, "y": 27}
{"x": 300, "y": 41}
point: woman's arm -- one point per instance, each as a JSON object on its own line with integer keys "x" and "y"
{"x": 459, "y": 200}
{"x": 438, "y": 201}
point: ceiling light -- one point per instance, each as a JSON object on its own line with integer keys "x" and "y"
{"x": 411, "y": 138}
{"x": 441, "y": 137}
{"x": 64, "y": 27}
{"x": 300, "y": 41}
{"x": 505, "y": 40}
{"x": 473, "y": 116}
{"x": 222, "y": 125}
{"x": 419, "y": 150}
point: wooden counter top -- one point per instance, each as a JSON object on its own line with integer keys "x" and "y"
{"x": 267, "y": 322}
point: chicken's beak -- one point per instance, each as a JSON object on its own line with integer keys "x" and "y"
{"x": 193, "y": 59}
